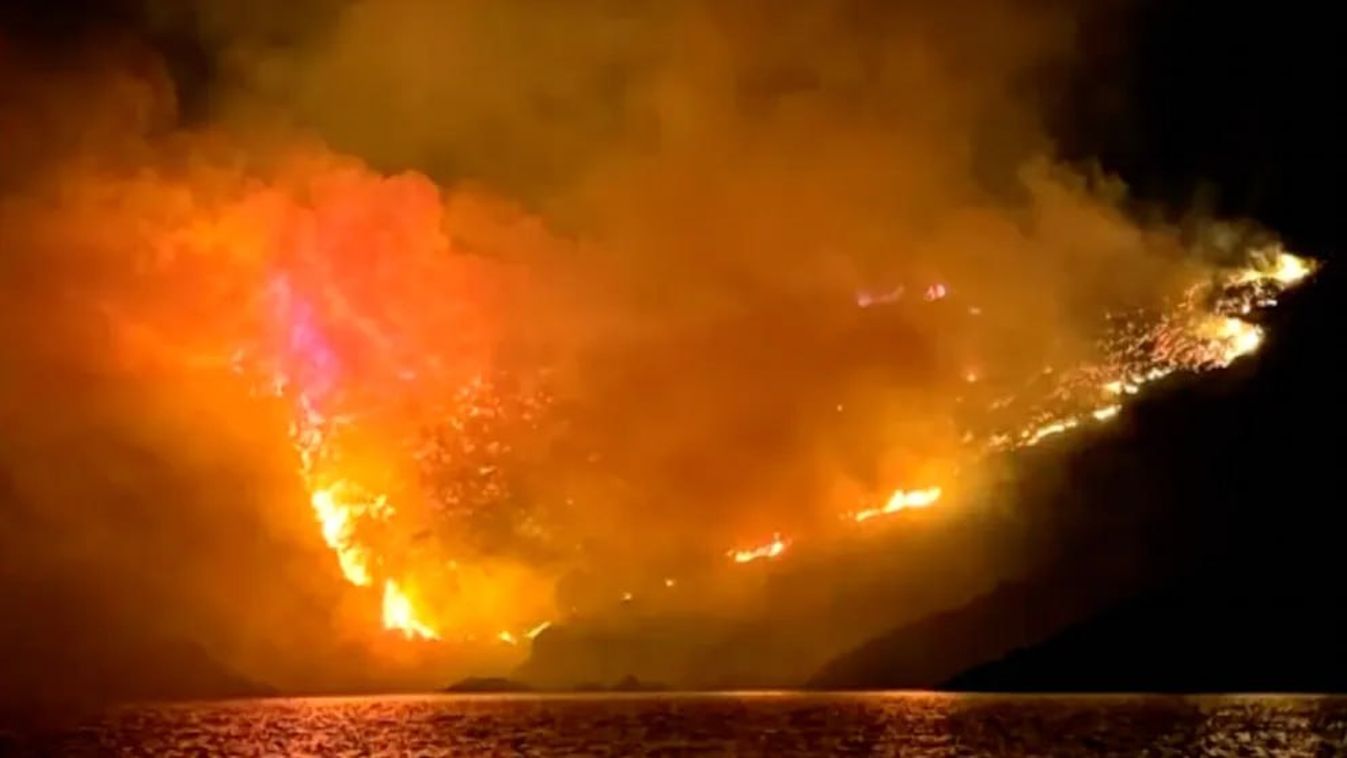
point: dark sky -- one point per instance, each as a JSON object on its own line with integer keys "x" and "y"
{"x": 1228, "y": 104}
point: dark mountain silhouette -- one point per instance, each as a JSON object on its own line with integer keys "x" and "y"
{"x": 924, "y": 654}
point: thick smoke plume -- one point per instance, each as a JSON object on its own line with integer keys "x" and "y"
{"x": 566, "y": 299}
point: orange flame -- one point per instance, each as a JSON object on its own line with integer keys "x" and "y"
{"x": 902, "y": 500}
{"x": 400, "y": 614}
{"x": 770, "y": 550}
{"x": 337, "y": 521}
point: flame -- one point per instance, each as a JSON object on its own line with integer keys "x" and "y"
{"x": 1233, "y": 339}
{"x": 337, "y": 519}
{"x": 1289, "y": 269}
{"x": 1274, "y": 264}
{"x": 336, "y": 526}
{"x": 902, "y": 500}
{"x": 1052, "y": 428}
{"x": 1194, "y": 337}
{"x": 338, "y": 508}
{"x": 537, "y": 630}
{"x": 401, "y": 615}
{"x": 1105, "y": 413}
{"x": 766, "y": 551}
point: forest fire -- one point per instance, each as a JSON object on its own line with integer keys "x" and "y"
{"x": 336, "y": 522}
{"x": 768, "y": 550}
{"x": 1202, "y": 330}
{"x": 401, "y": 615}
{"x": 1198, "y": 335}
{"x": 497, "y": 398}
{"x": 902, "y": 500}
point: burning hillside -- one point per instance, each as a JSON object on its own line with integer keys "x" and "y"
{"x": 454, "y": 473}
{"x": 782, "y": 298}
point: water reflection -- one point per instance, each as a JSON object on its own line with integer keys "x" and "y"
{"x": 774, "y": 724}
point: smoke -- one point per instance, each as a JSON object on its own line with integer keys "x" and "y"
{"x": 583, "y": 284}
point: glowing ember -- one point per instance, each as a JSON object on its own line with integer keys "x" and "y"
{"x": 770, "y": 550}
{"x": 399, "y": 614}
{"x": 1106, "y": 413}
{"x": 507, "y": 638}
{"x": 869, "y": 299}
{"x": 537, "y": 630}
{"x": 1203, "y": 331}
{"x": 1041, "y": 433}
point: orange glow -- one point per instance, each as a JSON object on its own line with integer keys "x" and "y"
{"x": 769, "y": 550}
{"x": 1275, "y": 264}
{"x": 1050, "y": 429}
{"x": 400, "y": 615}
{"x": 902, "y": 500}
{"x": 1233, "y": 339}
{"x": 370, "y": 320}
{"x": 721, "y": 321}
{"x": 1106, "y": 413}
{"x": 337, "y": 520}
{"x": 1288, "y": 269}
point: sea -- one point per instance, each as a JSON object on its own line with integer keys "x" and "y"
{"x": 730, "y": 724}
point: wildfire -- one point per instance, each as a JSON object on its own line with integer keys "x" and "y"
{"x": 902, "y": 500}
{"x": 339, "y": 508}
{"x": 337, "y": 519}
{"x": 407, "y": 338}
{"x": 1288, "y": 269}
{"x": 400, "y": 614}
{"x": 1233, "y": 338}
{"x": 1275, "y": 264}
{"x": 338, "y": 366}
{"x": 766, "y": 551}
{"x": 1106, "y": 413}
{"x": 1049, "y": 429}
{"x": 1201, "y": 333}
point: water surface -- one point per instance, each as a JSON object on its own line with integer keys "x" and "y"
{"x": 909, "y": 724}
